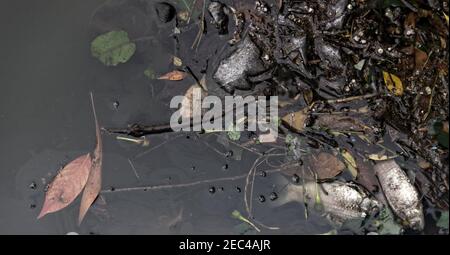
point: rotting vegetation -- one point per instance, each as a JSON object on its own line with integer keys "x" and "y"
{"x": 363, "y": 91}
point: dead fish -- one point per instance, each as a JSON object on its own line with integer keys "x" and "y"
{"x": 400, "y": 193}
{"x": 165, "y": 11}
{"x": 233, "y": 71}
{"x": 217, "y": 10}
{"x": 340, "y": 201}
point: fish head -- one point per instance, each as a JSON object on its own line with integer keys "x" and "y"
{"x": 415, "y": 219}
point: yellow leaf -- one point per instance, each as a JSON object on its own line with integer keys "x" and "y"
{"x": 446, "y": 18}
{"x": 377, "y": 157}
{"x": 350, "y": 162}
{"x": 393, "y": 83}
{"x": 177, "y": 61}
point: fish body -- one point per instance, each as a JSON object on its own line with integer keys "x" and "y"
{"x": 340, "y": 201}
{"x": 400, "y": 193}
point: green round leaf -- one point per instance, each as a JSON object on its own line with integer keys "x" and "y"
{"x": 113, "y": 48}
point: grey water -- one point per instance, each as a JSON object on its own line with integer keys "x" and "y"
{"x": 46, "y": 75}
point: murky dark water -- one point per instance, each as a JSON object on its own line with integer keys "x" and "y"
{"x": 46, "y": 74}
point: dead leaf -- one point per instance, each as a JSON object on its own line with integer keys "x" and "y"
{"x": 267, "y": 138}
{"x": 341, "y": 123}
{"x": 445, "y": 127}
{"x": 377, "y": 157}
{"x": 296, "y": 120}
{"x": 393, "y": 83}
{"x": 94, "y": 181}
{"x": 173, "y": 76}
{"x": 350, "y": 162}
{"x": 420, "y": 58}
{"x": 326, "y": 165}
{"x": 410, "y": 21}
{"x": 202, "y": 83}
{"x": 67, "y": 185}
{"x": 187, "y": 104}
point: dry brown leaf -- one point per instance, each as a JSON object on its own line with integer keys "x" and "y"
{"x": 94, "y": 181}
{"x": 326, "y": 165}
{"x": 67, "y": 185}
{"x": 421, "y": 58}
{"x": 267, "y": 138}
{"x": 445, "y": 127}
{"x": 173, "y": 76}
{"x": 296, "y": 120}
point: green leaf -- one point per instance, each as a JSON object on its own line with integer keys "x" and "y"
{"x": 233, "y": 134}
{"x": 443, "y": 220}
{"x": 149, "y": 73}
{"x": 113, "y": 48}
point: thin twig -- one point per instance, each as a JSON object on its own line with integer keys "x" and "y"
{"x": 157, "y": 146}
{"x": 170, "y": 186}
{"x": 134, "y": 169}
{"x": 349, "y": 99}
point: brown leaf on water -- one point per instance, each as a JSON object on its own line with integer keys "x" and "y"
{"x": 296, "y": 120}
{"x": 67, "y": 185}
{"x": 421, "y": 58}
{"x": 326, "y": 165}
{"x": 189, "y": 102}
{"x": 173, "y": 76}
{"x": 94, "y": 182}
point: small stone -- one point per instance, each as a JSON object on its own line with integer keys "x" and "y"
{"x": 380, "y": 51}
{"x": 262, "y": 174}
{"x": 225, "y": 167}
{"x": 238, "y": 189}
{"x": 349, "y": 6}
{"x": 32, "y": 206}
{"x": 363, "y": 41}
{"x": 212, "y": 190}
